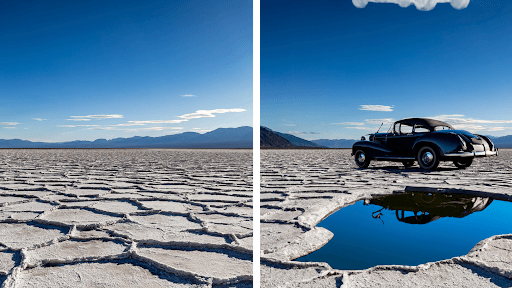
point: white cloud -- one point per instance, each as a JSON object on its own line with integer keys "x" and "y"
{"x": 296, "y": 133}
{"x": 380, "y": 121}
{"x": 456, "y": 119}
{"x": 10, "y": 127}
{"x": 289, "y": 125}
{"x": 473, "y": 125}
{"x": 128, "y": 124}
{"x": 72, "y": 126}
{"x": 349, "y": 123}
{"x": 424, "y": 5}
{"x": 199, "y": 130}
{"x": 38, "y": 119}
{"x": 106, "y": 116}
{"x": 78, "y": 119}
{"x": 103, "y": 128}
{"x": 188, "y": 95}
{"x": 136, "y": 129}
{"x": 361, "y": 128}
{"x": 209, "y": 113}
{"x": 152, "y": 129}
{"x": 9, "y": 123}
{"x": 382, "y": 108}
{"x": 156, "y": 122}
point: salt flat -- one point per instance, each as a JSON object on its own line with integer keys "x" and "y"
{"x": 299, "y": 188}
{"x": 125, "y": 218}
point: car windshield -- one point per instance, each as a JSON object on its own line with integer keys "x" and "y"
{"x": 438, "y": 128}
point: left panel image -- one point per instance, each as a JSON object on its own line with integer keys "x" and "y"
{"x": 126, "y": 144}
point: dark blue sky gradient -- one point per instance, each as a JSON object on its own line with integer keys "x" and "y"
{"x": 321, "y": 60}
{"x": 134, "y": 58}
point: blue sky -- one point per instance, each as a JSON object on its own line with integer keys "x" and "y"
{"x": 83, "y": 70}
{"x": 332, "y": 70}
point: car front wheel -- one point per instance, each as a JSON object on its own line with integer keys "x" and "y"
{"x": 463, "y": 163}
{"x": 428, "y": 158}
{"x": 361, "y": 159}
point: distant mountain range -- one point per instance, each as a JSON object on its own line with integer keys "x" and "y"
{"x": 335, "y": 143}
{"x": 240, "y": 137}
{"x": 269, "y": 138}
{"x": 502, "y": 142}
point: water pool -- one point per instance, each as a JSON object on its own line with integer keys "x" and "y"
{"x": 410, "y": 229}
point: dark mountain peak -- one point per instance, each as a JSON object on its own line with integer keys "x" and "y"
{"x": 297, "y": 141}
{"x": 270, "y": 139}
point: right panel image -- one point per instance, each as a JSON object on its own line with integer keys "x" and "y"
{"x": 386, "y": 143}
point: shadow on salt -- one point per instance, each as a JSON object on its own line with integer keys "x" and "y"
{"x": 410, "y": 229}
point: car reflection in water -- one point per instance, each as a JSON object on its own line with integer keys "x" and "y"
{"x": 423, "y": 207}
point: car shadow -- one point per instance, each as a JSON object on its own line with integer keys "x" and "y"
{"x": 401, "y": 169}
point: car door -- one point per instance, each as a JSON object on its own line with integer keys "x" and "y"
{"x": 402, "y": 139}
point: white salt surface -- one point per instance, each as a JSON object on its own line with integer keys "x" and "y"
{"x": 125, "y": 218}
{"x": 299, "y": 188}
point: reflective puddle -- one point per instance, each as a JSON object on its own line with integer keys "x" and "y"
{"x": 410, "y": 229}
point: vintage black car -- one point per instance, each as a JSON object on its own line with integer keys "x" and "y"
{"x": 427, "y": 141}
{"x": 423, "y": 207}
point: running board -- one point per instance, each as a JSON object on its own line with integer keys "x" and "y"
{"x": 394, "y": 158}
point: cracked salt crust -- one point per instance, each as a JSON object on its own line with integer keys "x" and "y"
{"x": 299, "y": 188}
{"x": 125, "y": 218}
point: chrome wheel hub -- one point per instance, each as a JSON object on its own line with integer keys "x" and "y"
{"x": 361, "y": 158}
{"x": 428, "y": 158}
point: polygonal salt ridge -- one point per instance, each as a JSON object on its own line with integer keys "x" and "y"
{"x": 222, "y": 225}
{"x": 84, "y": 218}
{"x": 167, "y": 234}
{"x": 10, "y": 200}
{"x": 119, "y": 207}
{"x": 172, "y": 206}
{"x": 175, "y": 189}
{"x": 22, "y": 187}
{"x": 204, "y": 264}
{"x": 104, "y": 273}
{"x": 85, "y": 192}
{"x": 32, "y": 234}
{"x": 217, "y": 197}
{"x": 8, "y": 260}
{"x": 275, "y": 273}
{"x": 76, "y": 251}
{"x": 240, "y": 209}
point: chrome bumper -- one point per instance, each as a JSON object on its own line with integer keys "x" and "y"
{"x": 473, "y": 154}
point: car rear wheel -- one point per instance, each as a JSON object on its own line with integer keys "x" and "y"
{"x": 408, "y": 164}
{"x": 463, "y": 163}
{"x": 428, "y": 158}
{"x": 361, "y": 159}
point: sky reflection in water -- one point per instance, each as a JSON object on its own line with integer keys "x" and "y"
{"x": 361, "y": 241}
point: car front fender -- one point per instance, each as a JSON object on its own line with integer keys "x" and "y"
{"x": 372, "y": 149}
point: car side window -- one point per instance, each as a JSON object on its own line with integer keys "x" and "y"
{"x": 437, "y": 128}
{"x": 397, "y": 128}
{"x": 420, "y": 129}
{"x": 405, "y": 129}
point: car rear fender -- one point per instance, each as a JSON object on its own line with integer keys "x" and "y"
{"x": 444, "y": 143}
{"x": 489, "y": 142}
{"x": 372, "y": 149}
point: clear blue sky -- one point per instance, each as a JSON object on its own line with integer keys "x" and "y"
{"x": 123, "y": 68}
{"x": 327, "y": 65}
